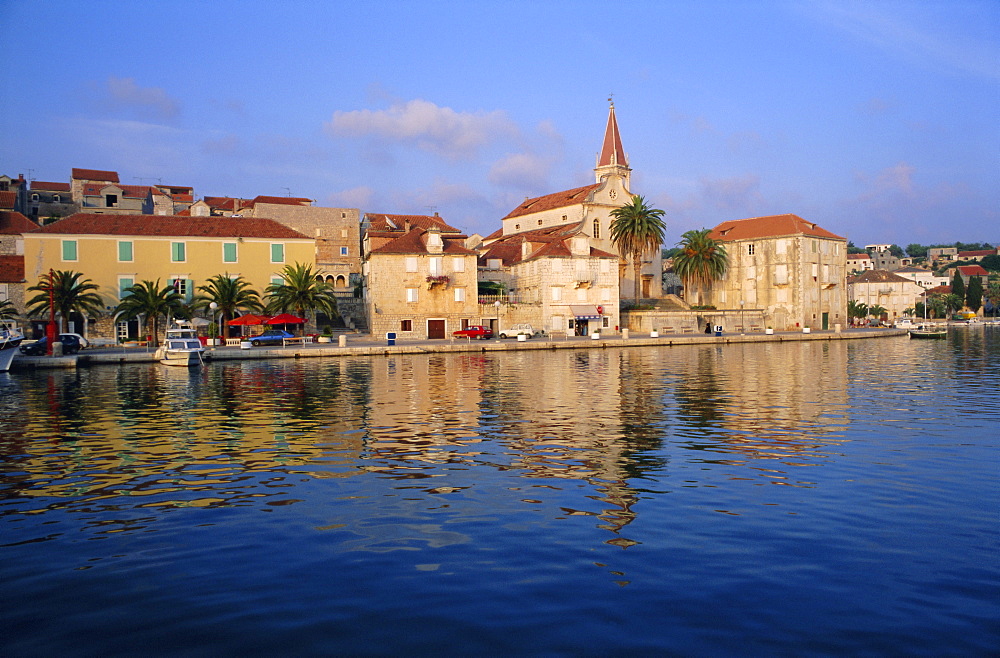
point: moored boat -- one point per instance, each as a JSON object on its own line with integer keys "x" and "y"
{"x": 10, "y": 338}
{"x": 924, "y": 331}
{"x": 181, "y": 347}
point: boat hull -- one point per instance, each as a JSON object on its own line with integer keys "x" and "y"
{"x": 928, "y": 333}
{"x": 181, "y": 358}
{"x": 7, "y": 355}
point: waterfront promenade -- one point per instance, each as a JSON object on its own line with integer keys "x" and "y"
{"x": 367, "y": 345}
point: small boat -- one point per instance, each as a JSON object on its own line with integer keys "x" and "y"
{"x": 923, "y": 331}
{"x": 181, "y": 347}
{"x": 10, "y": 338}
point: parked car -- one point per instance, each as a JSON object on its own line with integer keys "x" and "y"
{"x": 522, "y": 329}
{"x": 84, "y": 343}
{"x": 270, "y": 337}
{"x": 70, "y": 343}
{"x": 474, "y": 331}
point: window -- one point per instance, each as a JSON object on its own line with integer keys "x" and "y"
{"x": 56, "y": 198}
{"x": 124, "y": 283}
{"x": 277, "y": 281}
{"x": 4, "y": 292}
{"x": 406, "y": 325}
{"x": 125, "y": 251}
{"x": 749, "y": 250}
{"x": 69, "y": 250}
{"x": 177, "y": 252}
{"x": 343, "y": 251}
{"x": 458, "y": 264}
{"x": 556, "y": 294}
{"x": 229, "y": 252}
{"x": 411, "y": 264}
{"x": 539, "y": 222}
{"x": 34, "y": 197}
{"x": 111, "y": 200}
{"x": 597, "y": 229}
{"x": 278, "y": 252}
{"x": 411, "y": 294}
{"x": 435, "y": 265}
{"x": 459, "y": 294}
{"x": 181, "y": 285}
{"x": 517, "y": 227}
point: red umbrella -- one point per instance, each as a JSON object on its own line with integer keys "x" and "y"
{"x": 285, "y": 318}
{"x": 246, "y": 320}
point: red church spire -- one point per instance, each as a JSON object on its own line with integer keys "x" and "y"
{"x": 612, "y": 152}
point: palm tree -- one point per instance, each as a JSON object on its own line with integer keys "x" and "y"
{"x": 936, "y": 306}
{"x": 952, "y": 302}
{"x": 993, "y": 295}
{"x": 877, "y": 311}
{"x": 231, "y": 294}
{"x": 149, "y": 300}
{"x": 857, "y": 310}
{"x": 300, "y": 292}
{"x": 635, "y": 230}
{"x": 70, "y": 294}
{"x": 701, "y": 259}
{"x": 7, "y": 310}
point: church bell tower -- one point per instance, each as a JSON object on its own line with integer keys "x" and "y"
{"x": 612, "y": 161}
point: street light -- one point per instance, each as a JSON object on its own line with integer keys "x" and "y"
{"x": 743, "y": 327}
{"x": 496, "y": 305}
{"x": 213, "y": 306}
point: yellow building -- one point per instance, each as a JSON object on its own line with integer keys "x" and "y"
{"x": 118, "y": 251}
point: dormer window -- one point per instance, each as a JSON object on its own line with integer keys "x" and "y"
{"x": 34, "y": 197}
{"x": 56, "y": 198}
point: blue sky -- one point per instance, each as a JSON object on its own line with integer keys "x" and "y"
{"x": 878, "y": 120}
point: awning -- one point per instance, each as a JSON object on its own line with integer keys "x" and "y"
{"x": 285, "y": 318}
{"x": 585, "y": 312}
{"x": 247, "y": 320}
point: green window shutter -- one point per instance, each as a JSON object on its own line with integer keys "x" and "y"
{"x": 125, "y": 252}
{"x": 277, "y": 253}
{"x": 229, "y": 252}
{"x": 123, "y": 285}
{"x": 69, "y": 250}
{"x": 189, "y": 290}
{"x": 177, "y": 252}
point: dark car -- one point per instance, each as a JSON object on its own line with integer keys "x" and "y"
{"x": 474, "y": 331}
{"x": 271, "y": 337}
{"x": 70, "y": 343}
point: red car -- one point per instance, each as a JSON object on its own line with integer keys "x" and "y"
{"x": 474, "y": 331}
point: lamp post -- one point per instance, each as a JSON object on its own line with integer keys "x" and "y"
{"x": 743, "y": 327}
{"x": 213, "y": 306}
{"x": 496, "y": 305}
{"x": 50, "y": 328}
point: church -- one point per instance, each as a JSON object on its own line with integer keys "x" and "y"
{"x": 586, "y": 211}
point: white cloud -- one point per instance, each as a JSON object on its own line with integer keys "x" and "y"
{"x": 149, "y": 102}
{"x": 357, "y": 197}
{"x": 432, "y": 128}
{"x": 522, "y": 171}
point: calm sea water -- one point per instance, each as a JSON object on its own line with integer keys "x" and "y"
{"x": 798, "y": 498}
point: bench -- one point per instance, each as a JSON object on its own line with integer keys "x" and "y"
{"x": 296, "y": 340}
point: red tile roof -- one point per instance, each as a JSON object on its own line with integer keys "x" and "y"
{"x": 858, "y": 257}
{"x": 972, "y": 270}
{"x": 414, "y": 241}
{"x": 95, "y": 174}
{"x": 14, "y": 223}
{"x": 128, "y": 191}
{"x": 878, "y": 276}
{"x": 7, "y": 199}
{"x": 283, "y": 200}
{"x": 546, "y": 242}
{"x": 938, "y": 290}
{"x": 771, "y": 226}
{"x": 50, "y": 187}
{"x": 171, "y": 226}
{"x": 555, "y": 200}
{"x": 11, "y": 269}
{"x": 965, "y": 255}
{"x": 382, "y": 222}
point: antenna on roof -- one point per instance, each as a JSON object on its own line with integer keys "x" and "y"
{"x": 431, "y": 208}
{"x": 288, "y": 191}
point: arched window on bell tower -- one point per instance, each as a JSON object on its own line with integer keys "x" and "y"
{"x": 597, "y": 229}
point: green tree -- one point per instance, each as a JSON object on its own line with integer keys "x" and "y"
{"x": 231, "y": 294}
{"x": 701, "y": 260}
{"x": 149, "y": 300}
{"x": 991, "y": 263}
{"x": 637, "y": 229}
{"x": 856, "y": 309}
{"x": 877, "y": 311}
{"x": 852, "y": 249}
{"x": 7, "y": 310}
{"x": 71, "y": 293}
{"x": 915, "y": 250}
{"x": 993, "y": 295}
{"x": 974, "y": 294}
{"x": 896, "y": 251}
{"x": 952, "y": 302}
{"x": 299, "y": 292}
{"x": 958, "y": 285}
{"x": 936, "y": 306}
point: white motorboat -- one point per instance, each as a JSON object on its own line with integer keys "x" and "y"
{"x": 10, "y": 338}
{"x": 181, "y": 347}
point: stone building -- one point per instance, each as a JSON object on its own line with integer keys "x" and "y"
{"x": 791, "y": 270}
{"x": 13, "y": 226}
{"x": 896, "y": 294}
{"x": 558, "y": 280}
{"x": 50, "y": 199}
{"x": 336, "y": 231}
{"x": 589, "y": 208}
{"x": 924, "y": 278}
{"x": 420, "y": 279}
